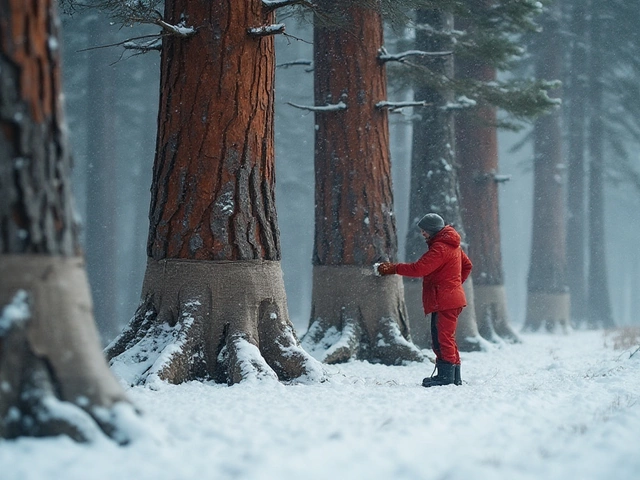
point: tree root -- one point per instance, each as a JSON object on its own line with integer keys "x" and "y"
{"x": 548, "y": 309}
{"x": 491, "y": 312}
{"x": 357, "y": 315}
{"x": 225, "y": 321}
{"x": 54, "y": 378}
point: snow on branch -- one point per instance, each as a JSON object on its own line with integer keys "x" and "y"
{"x": 492, "y": 175}
{"x": 323, "y": 108}
{"x": 274, "y": 4}
{"x": 266, "y": 30}
{"x": 384, "y": 56}
{"x": 144, "y": 47}
{"x": 393, "y": 106}
{"x": 307, "y": 63}
{"x": 461, "y": 104}
{"x": 179, "y": 30}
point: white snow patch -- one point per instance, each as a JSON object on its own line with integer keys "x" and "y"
{"x": 512, "y": 419}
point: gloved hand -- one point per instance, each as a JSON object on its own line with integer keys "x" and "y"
{"x": 387, "y": 268}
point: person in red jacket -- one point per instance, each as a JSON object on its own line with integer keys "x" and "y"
{"x": 443, "y": 268}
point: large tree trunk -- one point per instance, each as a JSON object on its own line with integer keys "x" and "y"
{"x": 599, "y": 303}
{"x": 213, "y": 300}
{"x": 576, "y": 115}
{"x": 354, "y": 220}
{"x": 53, "y": 375}
{"x": 477, "y": 153}
{"x": 547, "y": 289}
{"x": 102, "y": 188}
{"x": 434, "y": 178}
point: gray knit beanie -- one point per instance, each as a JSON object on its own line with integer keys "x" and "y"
{"x": 431, "y": 223}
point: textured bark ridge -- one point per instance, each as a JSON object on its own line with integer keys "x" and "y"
{"x": 468, "y": 337}
{"x": 226, "y": 321}
{"x": 54, "y": 378}
{"x": 357, "y": 315}
{"x": 491, "y": 305}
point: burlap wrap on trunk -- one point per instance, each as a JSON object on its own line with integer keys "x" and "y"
{"x": 548, "y": 309}
{"x": 492, "y": 315}
{"x": 200, "y": 318}
{"x": 367, "y": 309}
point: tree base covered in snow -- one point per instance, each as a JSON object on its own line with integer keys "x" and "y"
{"x": 357, "y": 315}
{"x": 554, "y": 407}
{"x": 53, "y": 377}
{"x": 491, "y": 314}
{"x": 550, "y": 310}
{"x": 225, "y": 321}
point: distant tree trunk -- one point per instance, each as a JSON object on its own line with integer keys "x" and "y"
{"x": 547, "y": 289}
{"x": 599, "y": 303}
{"x": 354, "y": 221}
{"x": 213, "y": 299}
{"x": 576, "y": 115}
{"x": 53, "y": 375}
{"x": 434, "y": 178}
{"x": 102, "y": 185}
{"x": 477, "y": 153}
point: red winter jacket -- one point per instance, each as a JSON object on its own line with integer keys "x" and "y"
{"x": 444, "y": 268}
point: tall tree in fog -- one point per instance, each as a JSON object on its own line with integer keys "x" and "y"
{"x": 599, "y": 303}
{"x": 434, "y": 170}
{"x": 101, "y": 239}
{"x": 213, "y": 299}
{"x": 354, "y": 218}
{"x": 53, "y": 375}
{"x": 576, "y": 108}
{"x": 547, "y": 288}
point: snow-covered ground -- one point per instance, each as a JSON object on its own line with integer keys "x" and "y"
{"x": 555, "y": 407}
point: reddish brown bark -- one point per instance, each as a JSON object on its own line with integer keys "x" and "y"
{"x": 36, "y": 209}
{"x": 354, "y": 222}
{"x": 213, "y": 185}
{"x": 354, "y": 201}
{"x": 50, "y": 357}
{"x": 213, "y": 278}
{"x": 477, "y": 153}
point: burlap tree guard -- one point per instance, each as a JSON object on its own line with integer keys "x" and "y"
{"x": 490, "y": 302}
{"x": 53, "y": 348}
{"x": 225, "y": 320}
{"x": 357, "y": 315}
{"x": 548, "y": 309}
{"x": 467, "y": 336}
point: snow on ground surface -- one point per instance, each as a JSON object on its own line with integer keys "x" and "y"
{"x": 555, "y": 407}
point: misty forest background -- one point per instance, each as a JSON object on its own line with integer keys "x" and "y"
{"x": 112, "y": 103}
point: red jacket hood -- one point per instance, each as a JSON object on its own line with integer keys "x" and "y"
{"x": 447, "y": 235}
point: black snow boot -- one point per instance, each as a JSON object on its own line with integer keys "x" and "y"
{"x": 445, "y": 376}
{"x": 456, "y": 375}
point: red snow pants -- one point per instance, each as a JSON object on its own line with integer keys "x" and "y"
{"x": 443, "y": 335}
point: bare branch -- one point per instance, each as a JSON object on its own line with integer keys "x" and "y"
{"x": 323, "y": 108}
{"x": 266, "y": 30}
{"x": 155, "y": 36}
{"x": 393, "y": 106}
{"x": 307, "y": 63}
